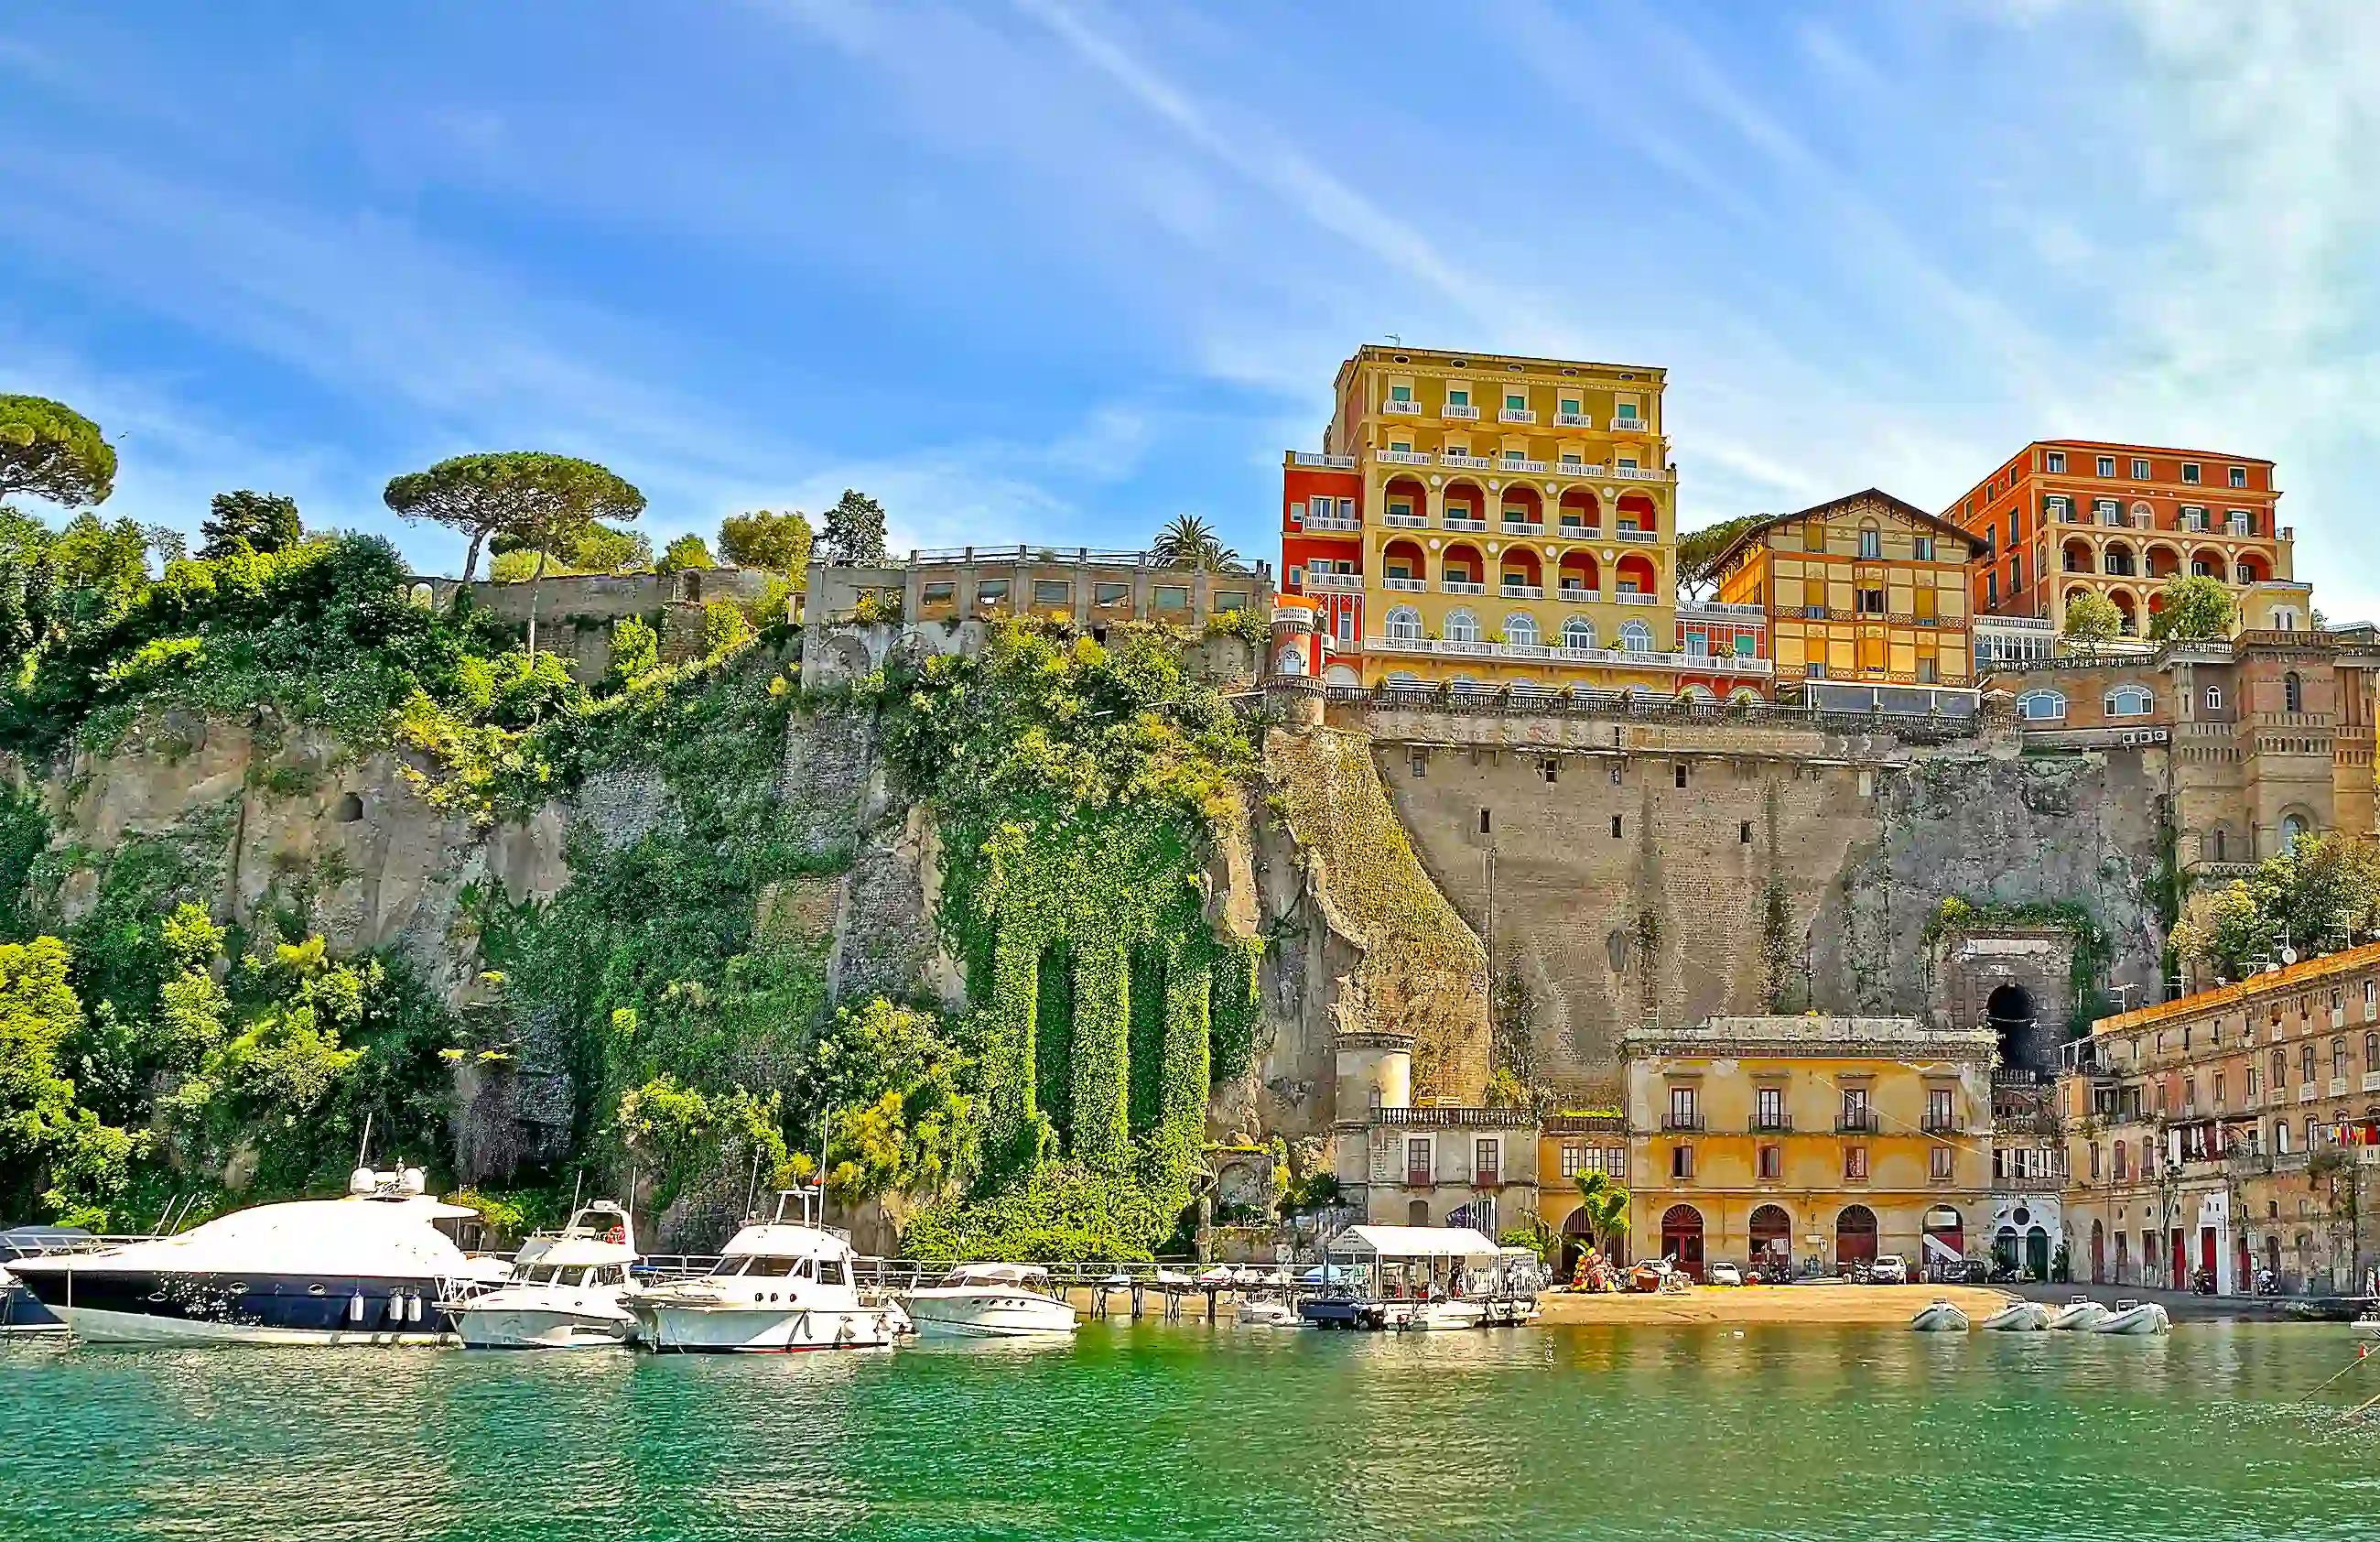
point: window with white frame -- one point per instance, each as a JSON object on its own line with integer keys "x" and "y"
{"x": 1521, "y": 629}
{"x": 1404, "y": 624}
{"x": 2106, "y": 465}
{"x": 1636, "y": 637}
{"x": 2041, "y": 706}
{"x": 2130, "y": 701}
{"x": 2214, "y": 698}
{"x": 1462, "y": 626}
{"x": 2053, "y": 460}
{"x": 1578, "y": 632}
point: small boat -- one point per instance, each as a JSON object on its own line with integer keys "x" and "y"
{"x": 2136, "y": 1318}
{"x": 2368, "y": 1325}
{"x": 1454, "y": 1312}
{"x": 371, "y": 1268}
{"x": 780, "y": 1286}
{"x": 1648, "y": 1276}
{"x": 2018, "y": 1317}
{"x": 2079, "y": 1315}
{"x": 1262, "y": 1313}
{"x": 1939, "y": 1315}
{"x": 991, "y": 1300}
{"x": 563, "y": 1291}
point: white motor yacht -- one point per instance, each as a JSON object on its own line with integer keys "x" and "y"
{"x": 991, "y": 1300}
{"x": 2018, "y": 1317}
{"x": 563, "y": 1291}
{"x": 781, "y": 1285}
{"x": 2136, "y": 1318}
{"x": 2079, "y": 1315}
{"x": 1265, "y": 1311}
{"x": 371, "y": 1268}
{"x": 1939, "y": 1315}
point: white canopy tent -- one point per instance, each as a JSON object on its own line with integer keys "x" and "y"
{"x": 1388, "y": 1243}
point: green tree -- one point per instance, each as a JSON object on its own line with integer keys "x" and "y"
{"x": 779, "y": 543}
{"x": 2091, "y": 617}
{"x": 2321, "y": 894}
{"x": 1606, "y": 1204}
{"x": 686, "y": 554}
{"x": 52, "y": 1150}
{"x": 265, "y": 522}
{"x": 51, "y": 451}
{"x": 854, "y": 536}
{"x": 2192, "y": 607}
{"x": 1187, "y": 542}
{"x": 724, "y": 626}
{"x": 636, "y": 650}
{"x": 1699, "y": 550}
{"x": 543, "y": 503}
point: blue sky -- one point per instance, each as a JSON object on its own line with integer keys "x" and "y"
{"x": 1058, "y": 270}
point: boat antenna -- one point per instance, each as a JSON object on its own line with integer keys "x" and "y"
{"x": 576, "y": 1178}
{"x": 752, "y": 1186}
{"x": 364, "y": 1146}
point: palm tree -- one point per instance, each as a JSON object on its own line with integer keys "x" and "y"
{"x": 1606, "y": 1204}
{"x": 1189, "y": 542}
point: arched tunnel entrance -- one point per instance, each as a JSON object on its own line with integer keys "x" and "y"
{"x": 2014, "y": 1019}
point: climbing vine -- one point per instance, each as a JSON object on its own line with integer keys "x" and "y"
{"x": 2093, "y": 949}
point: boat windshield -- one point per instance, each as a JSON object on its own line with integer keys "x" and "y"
{"x": 760, "y": 1264}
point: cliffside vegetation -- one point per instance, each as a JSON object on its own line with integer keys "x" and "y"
{"x": 2320, "y": 895}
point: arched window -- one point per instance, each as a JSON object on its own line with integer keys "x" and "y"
{"x": 1462, "y": 626}
{"x": 1404, "y": 624}
{"x": 1403, "y": 680}
{"x": 2292, "y": 693}
{"x": 2280, "y": 1137}
{"x": 1635, "y": 637}
{"x": 1520, "y": 627}
{"x": 2130, "y": 701}
{"x": 1578, "y": 632}
{"x": 1871, "y": 541}
{"x": 2294, "y": 830}
{"x": 2280, "y": 1070}
{"x": 2370, "y": 1053}
{"x": 1464, "y": 685}
{"x": 2214, "y": 698}
{"x": 2040, "y": 706}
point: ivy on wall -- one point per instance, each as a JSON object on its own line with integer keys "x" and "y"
{"x": 2093, "y": 949}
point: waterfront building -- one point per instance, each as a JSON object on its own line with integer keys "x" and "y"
{"x": 2197, "y": 1129}
{"x": 1435, "y": 1165}
{"x": 1826, "y": 1141}
{"x": 1860, "y": 591}
{"x": 1514, "y": 529}
{"x": 2066, "y": 517}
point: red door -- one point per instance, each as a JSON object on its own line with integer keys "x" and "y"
{"x": 2181, "y": 1260}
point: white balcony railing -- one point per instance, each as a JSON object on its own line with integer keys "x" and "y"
{"x": 1523, "y": 591}
{"x": 1458, "y": 586}
{"x": 1629, "y": 425}
{"x": 1405, "y": 409}
{"x": 1315, "y": 458}
{"x": 1462, "y": 414}
{"x": 1406, "y": 586}
{"x": 1521, "y": 468}
{"x": 1524, "y": 527}
{"x": 1577, "y": 594}
{"x": 1401, "y": 457}
{"x": 1405, "y": 521}
{"x": 1722, "y": 610}
{"x": 2371, "y": 1080}
{"x": 1337, "y": 583}
{"x": 2306, "y": 1092}
{"x": 1639, "y": 473}
{"x": 1553, "y": 654}
{"x": 1629, "y": 596}
{"x": 1467, "y": 462}
{"x": 1637, "y": 537}
{"x": 1458, "y": 522}
{"x": 1516, "y": 415}
{"x": 2338, "y": 1086}
{"x": 1333, "y": 521}
{"x": 1573, "y": 531}
{"x": 1573, "y": 420}
{"x": 1579, "y": 468}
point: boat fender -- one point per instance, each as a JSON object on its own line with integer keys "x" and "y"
{"x": 413, "y": 1308}
{"x": 356, "y": 1308}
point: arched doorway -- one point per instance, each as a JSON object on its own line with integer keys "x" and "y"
{"x": 1856, "y": 1236}
{"x": 1772, "y": 1238}
{"x": 2037, "y": 1252}
{"x": 1578, "y": 1236}
{"x": 2099, "y": 1254}
{"x": 1682, "y": 1238}
{"x": 2010, "y": 1016}
{"x": 2007, "y": 1248}
{"x": 1417, "y": 1213}
{"x": 1946, "y": 1241}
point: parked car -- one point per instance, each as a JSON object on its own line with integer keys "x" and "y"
{"x": 1723, "y": 1274}
{"x": 1888, "y": 1268}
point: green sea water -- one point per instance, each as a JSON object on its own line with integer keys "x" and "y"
{"x": 1181, "y": 1431}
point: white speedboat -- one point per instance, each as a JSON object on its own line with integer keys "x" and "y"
{"x": 563, "y": 1291}
{"x": 2079, "y": 1315}
{"x": 991, "y": 1300}
{"x": 2135, "y": 1317}
{"x": 1939, "y": 1315}
{"x": 371, "y": 1268}
{"x": 1264, "y": 1313}
{"x": 780, "y": 1286}
{"x": 1451, "y": 1313}
{"x": 2018, "y": 1317}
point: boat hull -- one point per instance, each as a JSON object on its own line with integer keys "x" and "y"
{"x": 117, "y": 1306}
{"x": 1942, "y": 1317}
{"x": 961, "y": 1317}
{"x": 543, "y": 1327}
{"x": 669, "y": 1329}
{"x": 2080, "y": 1318}
{"x": 2138, "y": 1322}
{"x": 2019, "y": 1316}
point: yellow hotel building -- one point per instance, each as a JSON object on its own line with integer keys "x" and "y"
{"x": 1826, "y": 1140}
{"x": 1518, "y": 529}
{"x": 1866, "y": 590}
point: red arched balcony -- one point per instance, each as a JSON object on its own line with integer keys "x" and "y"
{"x": 2162, "y": 562}
{"x": 2077, "y": 558}
{"x": 1579, "y": 577}
{"x": 2157, "y": 602}
{"x": 1636, "y": 512}
{"x": 1402, "y": 565}
{"x": 1520, "y": 575}
{"x": 1637, "y": 575}
{"x": 1404, "y": 503}
{"x": 1461, "y": 564}
{"x": 2252, "y": 568}
{"x": 1580, "y": 512}
{"x": 2127, "y": 610}
{"x": 1524, "y": 510}
{"x": 2207, "y": 562}
{"x": 1466, "y": 505}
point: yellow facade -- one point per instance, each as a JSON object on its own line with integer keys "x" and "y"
{"x": 1866, "y": 588}
{"x": 1829, "y": 1139}
{"x": 1519, "y": 524}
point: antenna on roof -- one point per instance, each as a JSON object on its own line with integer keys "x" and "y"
{"x": 1396, "y": 339}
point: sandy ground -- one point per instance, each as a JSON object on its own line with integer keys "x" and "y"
{"x": 1830, "y": 1304}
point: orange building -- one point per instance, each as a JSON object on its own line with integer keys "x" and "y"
{"x": 2066, "y": 517}
{"x": 1322, "y": 548}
